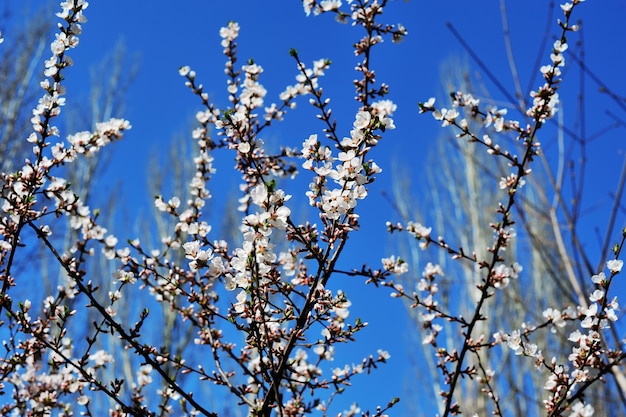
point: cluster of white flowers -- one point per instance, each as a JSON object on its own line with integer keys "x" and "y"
{"x": 307, "y": 81}
{"x": 429, "y": 287}
{"x": 50, "y": 103}
{"x": 517, "y": 344}
{"x": 229, "y": 33}
{"x": 351, "y": 173}
{"x": 417, "y": 230}
{"x": 251, "y": 97}
{"x": 558, "y": 318}
{"x": 288, "y": 260}
{"x": 597, "y": 316}
{"x": 502, "y": 273}
{"x": 588, "y": 346}
{"x": 303, "y": 369}
{"x": 322, "y": 7}
{"x": 44, "y": 389}
{"x": 581, "y": 410}
{"x": 420, "y": 232}
{"x": 143, "y": 375}
{"x": 494, "y": 116}
{"x": 489, "y": 117}
{"x": 511, "y": 181}
{"x": 257, "y": 229}
{"x": 199, "y": 257}
{"x": 82, "y": 143}
{"x": 546, "y": 99}
{"x": 397, "y": 266}
{"x": 384, "y": 109}
{"x": 88, "y": 143}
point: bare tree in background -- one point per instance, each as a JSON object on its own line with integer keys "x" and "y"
{"x": 459, "y": 204}
{"x": 20, "y": 67}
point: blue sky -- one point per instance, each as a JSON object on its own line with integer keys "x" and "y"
{"x": 164, "y": 35}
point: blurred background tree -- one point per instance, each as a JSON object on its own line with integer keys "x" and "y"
{"x": 458, "y": 198}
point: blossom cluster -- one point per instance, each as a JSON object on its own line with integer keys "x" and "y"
{"x": 589, "y": 358}
{"x": 275, "y": 356}
{"x": 351, "y": 174}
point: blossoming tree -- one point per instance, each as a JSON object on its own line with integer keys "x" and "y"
{"x": 261, "y": 310}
